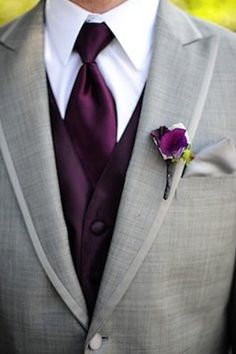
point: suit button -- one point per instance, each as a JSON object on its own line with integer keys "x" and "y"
{"x": 96, "y": 342}
{"x": 98, "y": 227}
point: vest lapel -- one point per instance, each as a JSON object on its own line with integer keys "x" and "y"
{"x": 27, "y": 148}
{"x": 176, "y": 91}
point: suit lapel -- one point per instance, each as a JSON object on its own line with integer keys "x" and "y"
{"x": 27, "y": 130}
{"x": 178, "y": 83}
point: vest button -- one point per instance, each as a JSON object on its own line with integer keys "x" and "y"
{"x": 96, "y": 342}
{"x": 98, "y": 227}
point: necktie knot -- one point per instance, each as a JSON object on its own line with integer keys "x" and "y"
{"x": 92, "y": 39}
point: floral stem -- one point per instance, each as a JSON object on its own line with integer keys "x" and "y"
{"x": 168, "y": 179}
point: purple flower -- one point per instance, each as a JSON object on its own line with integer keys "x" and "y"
{"x": 158, "y": 134}
{"x": 171, "y": 142}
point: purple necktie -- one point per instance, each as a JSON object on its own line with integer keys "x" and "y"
{"x": 91, "y": 112}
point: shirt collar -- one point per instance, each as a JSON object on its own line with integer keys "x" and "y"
{"x": 132, "y": 23}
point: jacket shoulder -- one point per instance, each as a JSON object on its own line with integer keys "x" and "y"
{"x": 20, "y": 22}
{"x": 7, "y": 28}
{"x": 209, "y": 29}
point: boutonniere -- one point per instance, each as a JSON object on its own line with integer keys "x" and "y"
{"x": 173, "y": 144}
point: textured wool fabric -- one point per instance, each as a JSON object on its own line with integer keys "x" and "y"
{"x": 169, "y": 273}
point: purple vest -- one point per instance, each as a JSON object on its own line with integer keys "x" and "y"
{"x": 90, "y": 211}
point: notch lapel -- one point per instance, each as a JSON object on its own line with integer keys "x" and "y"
{"x": 179, "y": 79}
{"x": 27, "y": 148}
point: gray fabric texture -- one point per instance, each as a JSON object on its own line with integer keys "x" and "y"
{"x": 169, "y": 274}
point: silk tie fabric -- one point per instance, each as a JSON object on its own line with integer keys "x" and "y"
{"x": 91, "y": 112}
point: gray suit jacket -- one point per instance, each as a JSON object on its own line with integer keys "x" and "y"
{"x": 168, "y": 282}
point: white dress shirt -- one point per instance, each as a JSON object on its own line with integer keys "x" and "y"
{"x": 124, "y": 63}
